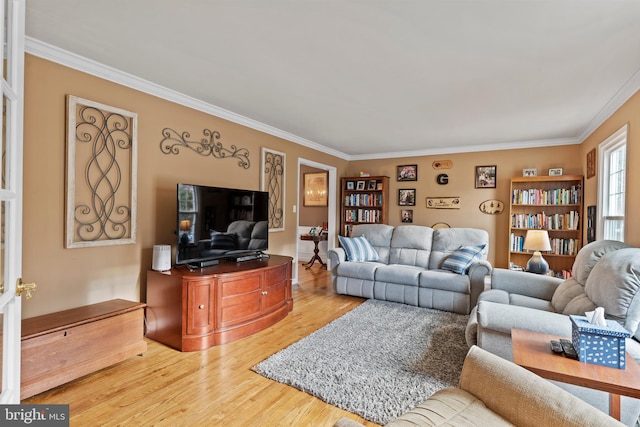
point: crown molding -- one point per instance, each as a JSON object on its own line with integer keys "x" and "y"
{"x": 68, "y": 59}
{"x": 626, "y": 91}
{"x": 471, "y": 149}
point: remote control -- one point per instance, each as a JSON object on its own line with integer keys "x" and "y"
{"x": 569, "y": 351}
{"x": 556, "y": 347}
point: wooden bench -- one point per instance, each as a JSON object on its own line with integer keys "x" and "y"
{"x": 62, "y": 346}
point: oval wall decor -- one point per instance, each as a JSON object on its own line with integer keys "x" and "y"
{"x": 491, "y": 207}
{"x": 442, "y": 164}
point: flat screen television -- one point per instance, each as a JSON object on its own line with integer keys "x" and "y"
{"x": 215, "y": 223}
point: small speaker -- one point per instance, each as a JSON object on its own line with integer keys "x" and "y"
{"x": 161, "y": 258}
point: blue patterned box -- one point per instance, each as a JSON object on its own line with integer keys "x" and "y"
{"x": 598, "y": 344}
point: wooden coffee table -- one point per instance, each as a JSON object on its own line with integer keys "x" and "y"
{"x": 532, "y": 351}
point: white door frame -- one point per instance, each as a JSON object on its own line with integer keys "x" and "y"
{"x": 12, "y": 88}
{"x": 331, "y": 201}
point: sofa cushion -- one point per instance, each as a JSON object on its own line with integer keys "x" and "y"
{"x": 401, "y": 274}
{"x": 242, "y": 229}
{"x": 358, "y": 249}
{"x": 462, "y": 258}
{"x": 259, "y": 235}
{"x": 531, "y": 302}
{"x": 450, "y": 407}
{"x": 444, "y": 280}
{"x": 411, "y": 245}
{"x": 614, "y": 283}
{"x": 379, "y": 235}
{"x": 579, "y": 305}
{"x": 589, "y": 255}
{"x": 223, "y": 241}
{"x": 448, "y": 240}
{"x": 565, "y": 292}
{"x": 358, "y": 270}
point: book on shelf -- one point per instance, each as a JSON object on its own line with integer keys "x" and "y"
{"x": 560, "y": 221}
{"x": 538, "y": 196}
{"x": 559, "y": 246}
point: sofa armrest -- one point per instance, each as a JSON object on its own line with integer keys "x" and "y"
{"x": 336, "y": 256}
{"x": 477, "y": 273}
{"x": 523, "y": 283}
{"x": 522, "y": 397}
{"x": 502, "y": 318}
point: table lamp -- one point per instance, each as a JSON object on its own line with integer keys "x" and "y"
{"x": 537, "y": 241}
{"x": 185, "y": 227}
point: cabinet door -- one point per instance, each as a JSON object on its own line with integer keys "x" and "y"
{"x": 275, "y": 291}
{"x": 240, "y": 299}
{"x": 199, "y": 310}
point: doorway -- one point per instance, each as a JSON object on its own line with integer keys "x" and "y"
{"x": 328, "y": 212}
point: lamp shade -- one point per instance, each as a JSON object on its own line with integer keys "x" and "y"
{"x": 185, "y": 225}
{"x": 537, "y": 240}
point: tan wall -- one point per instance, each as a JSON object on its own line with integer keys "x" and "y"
{"x": 628, "y": 113}
{"x": 72, "y": 277}
{"x": 462, "y": 184}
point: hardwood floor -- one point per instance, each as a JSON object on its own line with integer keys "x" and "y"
{"x": 215, "y": 387}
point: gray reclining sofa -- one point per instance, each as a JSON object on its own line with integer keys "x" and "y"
{"x": 415, "y": 265}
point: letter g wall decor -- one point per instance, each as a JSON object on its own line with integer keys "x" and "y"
{"x": 101, "y": 174}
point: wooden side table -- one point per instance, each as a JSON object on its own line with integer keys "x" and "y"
{"x": 316, "y": 239}
{"x": 532, "y": 350}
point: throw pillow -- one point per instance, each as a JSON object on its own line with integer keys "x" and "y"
{"x": 460, "y": 260}
{"x": 358, "y": 249}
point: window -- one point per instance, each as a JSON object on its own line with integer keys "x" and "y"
{"x": 611, "y": 184}
{"x": 188, "y": 206}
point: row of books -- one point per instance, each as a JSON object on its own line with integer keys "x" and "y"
{"x": 538, "y": 196}
{"x": 362, "y": 215}
{"x": 561, "y": 221}
{"x": 562, "y": 274}
{"x": 363, "y": 199}
{"x": 559, "y": 246}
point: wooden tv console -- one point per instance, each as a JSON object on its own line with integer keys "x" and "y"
{"x": 195, "y": 310}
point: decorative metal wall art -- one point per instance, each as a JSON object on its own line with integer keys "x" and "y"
{"x": 101, "y": 174}
{"x": 209, "y": 145}
{"x": 272, "y": 180}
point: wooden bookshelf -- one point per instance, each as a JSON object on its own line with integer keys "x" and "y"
{"x": 365, "y": 200}
{"x": 552, "y": 203}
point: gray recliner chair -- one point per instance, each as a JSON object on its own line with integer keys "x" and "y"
{"x": 605, "y": 274}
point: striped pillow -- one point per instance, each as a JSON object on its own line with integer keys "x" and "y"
{"x": 460, "y": 260}
{"x": 358, "y": 249}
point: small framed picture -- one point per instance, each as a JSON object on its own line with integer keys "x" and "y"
{"x": 555, "y": 172}
{"x": 407, "y": 173}
{"x": 351, "y": 185}
{"x": 361, "y": 185}
{"x": 372, "y": 185}
{"x": 406, "y": 215}
{"x": 591, "y": 163}
{"x": 530, "y": 172}
{"x": 486, "y": 176}
{"x": 407, "y": 197}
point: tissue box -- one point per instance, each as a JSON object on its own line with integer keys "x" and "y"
{"x": 599, "y": 344}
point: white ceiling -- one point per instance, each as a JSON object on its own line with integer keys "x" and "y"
{"x": 373, "y": 78}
